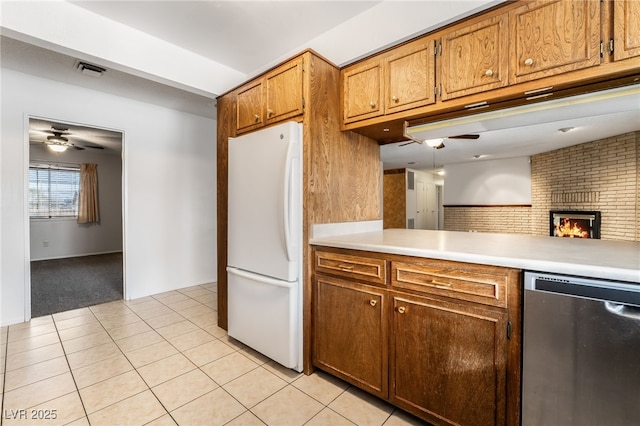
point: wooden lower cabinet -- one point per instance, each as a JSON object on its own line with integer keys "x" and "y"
{"x": 350, "y": 333}
{"x": 448, "y": 361}
{"x": 419, "y": 339}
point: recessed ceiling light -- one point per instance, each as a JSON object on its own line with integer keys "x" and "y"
{"x": 479, "y": 156}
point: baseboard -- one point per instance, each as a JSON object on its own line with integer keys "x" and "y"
{"x": 76, "y": 255}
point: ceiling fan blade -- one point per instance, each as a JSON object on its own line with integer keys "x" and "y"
{"x": 78, "y": 148}
{"x": 469, "y": 136}
{"x": 93, "y": 146}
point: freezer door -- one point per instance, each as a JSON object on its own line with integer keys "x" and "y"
{"x": 265, "y": 202}
{"x": 263, "y": 315}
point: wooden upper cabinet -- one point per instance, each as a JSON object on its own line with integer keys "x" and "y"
{"x": 362, "y": 91}
{"x": 409, "y": 74}
{"x": 274, "y": 97}
{"x": 626, "y": 29}
{"x": 553, "y": 37}
{"x": 284, "y": 91}
{"x": 250, "y": 106}
{"x": 475, "y": 58}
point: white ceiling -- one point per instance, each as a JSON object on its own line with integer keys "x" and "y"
{"x": 243, "y": 35}
{"x": 247, "y": 37}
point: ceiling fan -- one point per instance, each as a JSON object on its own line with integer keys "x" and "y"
{"x": 57, "y": 141}
{"x": 439, "y": 143}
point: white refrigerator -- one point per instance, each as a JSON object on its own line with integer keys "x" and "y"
{"x": 264, "y": 266}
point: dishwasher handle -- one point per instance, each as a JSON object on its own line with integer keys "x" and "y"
{"x": 605, "y": 291}
{"x": 631, "y": 312}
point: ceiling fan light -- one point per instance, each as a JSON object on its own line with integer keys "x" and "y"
{"x": 57, "y": 147}
{"x": 434, "y": 143}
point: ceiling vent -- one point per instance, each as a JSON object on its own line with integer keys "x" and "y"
{"x": 90, "y": 69}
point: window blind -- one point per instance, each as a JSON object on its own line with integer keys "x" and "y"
{"x": 53, "y": 191}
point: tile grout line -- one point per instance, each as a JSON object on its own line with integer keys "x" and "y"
{"x": 221, "y": 386}
{"x": 73, "y": 377}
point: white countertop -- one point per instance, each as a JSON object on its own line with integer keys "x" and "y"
{"x": 614, "y": 260}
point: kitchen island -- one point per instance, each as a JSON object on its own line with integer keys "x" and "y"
{"x": 615, "y": 260}
{"x": 431, "y": 321}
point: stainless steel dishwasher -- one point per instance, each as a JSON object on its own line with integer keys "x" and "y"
{"x": 581, "y": 352}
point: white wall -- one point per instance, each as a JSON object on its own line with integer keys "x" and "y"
{"x": 491, "y": 182}
{"x": 169, "y": 186}
{"x": 64, "y": 236}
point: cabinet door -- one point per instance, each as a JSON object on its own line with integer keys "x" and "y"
{"x": 250, "y": 106}
{"x": 626, "y": 29}
{"x": 362, "y": 91}
{"x": 448, "y": 361}
{"x": 350, "y": 333}
{"x": 284, "y": 91}
{"x": 475, "y": 58}
{"x": 553, "y": 37}
{"x": 410, "y": 77}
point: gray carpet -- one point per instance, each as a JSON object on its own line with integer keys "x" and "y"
{"x": 59, "y": 285}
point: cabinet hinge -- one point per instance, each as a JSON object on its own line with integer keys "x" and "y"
{"x": 509, "y": 330}
{"x": 601, "y": 48}
{"x": 611, "y": 46}
{"x": 303, "y": 103}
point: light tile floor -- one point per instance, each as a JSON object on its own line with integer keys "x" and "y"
{"x": 162, "y": 360}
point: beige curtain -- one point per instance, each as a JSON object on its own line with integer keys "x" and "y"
{"x": 88, "y": 211}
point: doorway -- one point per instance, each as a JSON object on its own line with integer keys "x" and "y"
{"x": 72, "y": 264}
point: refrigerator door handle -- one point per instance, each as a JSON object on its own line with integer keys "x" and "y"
{"x": 261, "y": 278}
{"x": 287, "y": 202}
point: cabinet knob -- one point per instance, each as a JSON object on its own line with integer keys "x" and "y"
{"x": 488, "y": 73}
{"x": 528, "y": 62}
{"x": 373, "y": 302}
{"x": 395, "y": 99}
{"x": 269, "y": 112}
{"x": 401, "y": 309}
{"x": 256, "y": 118}
{"x": 372, "y": 104}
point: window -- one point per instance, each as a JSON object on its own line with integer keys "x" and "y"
{"x": 53, "y": 191}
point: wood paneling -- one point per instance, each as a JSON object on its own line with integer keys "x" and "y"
{"x": 226, "y": 107}
{"x": 395, "y": 200}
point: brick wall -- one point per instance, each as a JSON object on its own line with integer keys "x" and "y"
{"x": 506, "y": 220}
{"x": 602, "y": 175}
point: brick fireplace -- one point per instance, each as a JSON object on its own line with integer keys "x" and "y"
{"x": 602, "y": 175}
{"x": 574, "y": 224}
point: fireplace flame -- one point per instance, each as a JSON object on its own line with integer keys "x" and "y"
{"x": 567, "y": 229}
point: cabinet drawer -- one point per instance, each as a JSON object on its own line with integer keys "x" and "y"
{"x": 356, "y": 267}
{"x": 487, "y": 286}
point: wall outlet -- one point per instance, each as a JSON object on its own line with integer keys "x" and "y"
{"x": 45, "y": 243}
